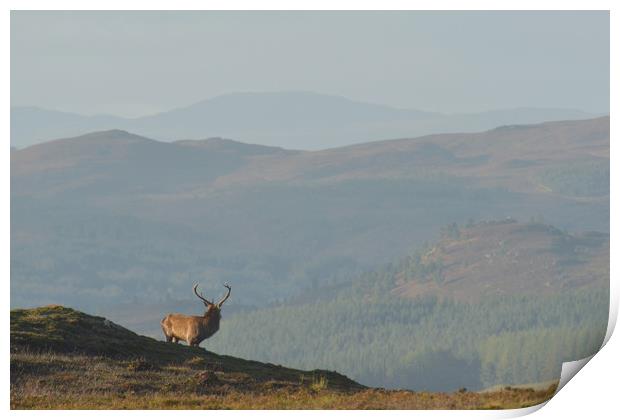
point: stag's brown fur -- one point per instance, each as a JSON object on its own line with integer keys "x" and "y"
{"x": 194, "y": 329}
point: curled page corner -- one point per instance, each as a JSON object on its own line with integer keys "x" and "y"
{"x": 570, "y": 369}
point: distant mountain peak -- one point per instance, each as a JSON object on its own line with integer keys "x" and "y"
{"x": 112, "y": 134}
{"x": 291, "y": 119}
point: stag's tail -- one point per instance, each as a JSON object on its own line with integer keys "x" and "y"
{"x": 165, "y": 330}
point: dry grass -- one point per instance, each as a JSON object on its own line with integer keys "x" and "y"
{"x": 53, "y": 381}
{"x": 65, "y": 359}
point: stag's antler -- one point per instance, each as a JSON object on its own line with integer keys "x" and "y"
{"x": 219, "y": 305}
{"x": 206, "y": 301}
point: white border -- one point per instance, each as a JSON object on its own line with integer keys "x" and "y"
{"x": 595, "y": 391}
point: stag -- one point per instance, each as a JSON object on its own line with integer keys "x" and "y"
{"x": 194, "y": 329}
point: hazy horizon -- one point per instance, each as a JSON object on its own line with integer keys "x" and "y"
{"x": 153, "y": 62}
{"x": 298, "y": 91}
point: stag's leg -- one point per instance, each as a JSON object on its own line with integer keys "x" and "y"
{"x": 175, "y": 340}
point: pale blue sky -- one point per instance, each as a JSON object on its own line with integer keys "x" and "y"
{"x": 135, "y": 63}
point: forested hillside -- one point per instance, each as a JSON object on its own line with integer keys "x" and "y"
{"x": 490, "y": 303}
{"x": 381, "y": 338}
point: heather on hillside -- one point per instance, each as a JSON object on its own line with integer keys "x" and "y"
{"x": 65, "y": 359}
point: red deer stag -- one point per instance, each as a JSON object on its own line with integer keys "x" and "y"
{"x": 194, "y": 329}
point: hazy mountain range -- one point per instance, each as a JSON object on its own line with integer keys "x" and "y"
{"x": 112, "y": 216}
{"x": 295, "y": 120}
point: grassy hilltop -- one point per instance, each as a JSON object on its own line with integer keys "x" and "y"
{"x": 65, "y": 359}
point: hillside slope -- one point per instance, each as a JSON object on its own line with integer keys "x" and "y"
{"x": 116, "y": 162}
{"x": 62, "y": 358}
{"x": 506, "y": 259}
{"x": 64, "y": 330}
{"x": 518, "y": 157}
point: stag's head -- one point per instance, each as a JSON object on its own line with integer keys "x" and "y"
{"x": 213, "y": 309}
